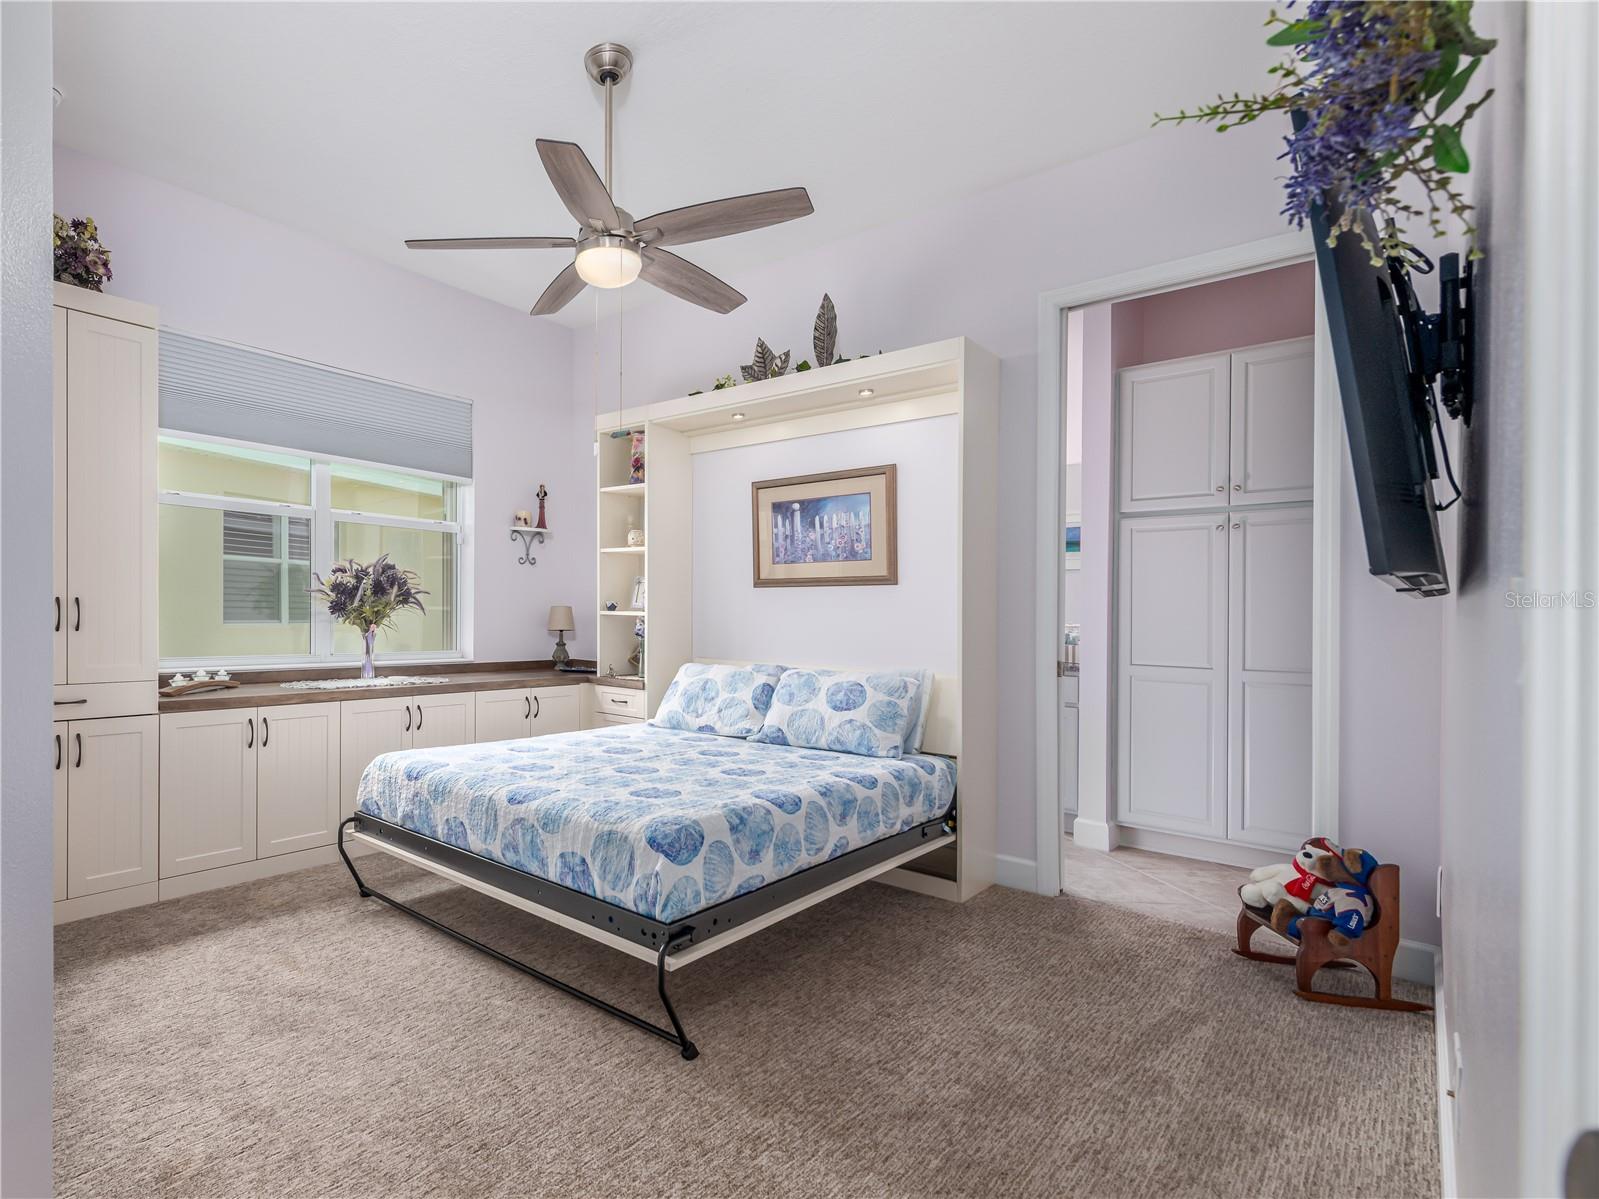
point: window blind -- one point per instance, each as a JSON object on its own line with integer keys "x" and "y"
{"x": 220, "y": 390}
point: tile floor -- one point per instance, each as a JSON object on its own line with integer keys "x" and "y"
{"x": 1201, "y": 894}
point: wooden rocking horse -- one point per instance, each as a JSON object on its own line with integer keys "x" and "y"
{"x": 1373, "y": 950}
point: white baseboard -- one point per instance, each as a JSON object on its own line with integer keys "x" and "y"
{"x": 1095, "y": 834}
{"x": 1446, "y": 1099}
{"x": 1020, "y": 873}
{"x": 1417, "y": 962}
{"x": 247, "y": 872}
{"x": 1228, "y": 853}
{"x": 68, "y": 910}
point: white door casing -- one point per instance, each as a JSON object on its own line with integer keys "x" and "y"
{"x": 111, "y": 531}
{"x": 112, "y": 789}
{"x": 208, "y": 789}
{"x": 1172, "y": 646}
{"x": 1269, "y": 677}
{"x": 297, "y": 778}
{"x": 1273, "y": 414}
{"x": 1173, "y": 421}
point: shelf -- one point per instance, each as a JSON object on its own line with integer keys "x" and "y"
{"x": 637, "y": 613}
{"x": 621, "y": 549}
{"x": 623, "y": 489}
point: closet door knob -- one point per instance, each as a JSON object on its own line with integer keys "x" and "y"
{"x": 1219, "y": 528}
{"x": 1220, "y": 487}
{"x": 1237, "y": 526}
{"x": 1238, "y": 486}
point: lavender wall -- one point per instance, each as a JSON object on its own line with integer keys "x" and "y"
{"x": 1247, "y": 310}
{"x": 220, "y": 272}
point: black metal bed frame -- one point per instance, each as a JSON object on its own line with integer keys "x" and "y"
{"x": 665, "y": 938}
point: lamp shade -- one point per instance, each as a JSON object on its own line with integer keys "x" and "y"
{"x": 561, "y": 619}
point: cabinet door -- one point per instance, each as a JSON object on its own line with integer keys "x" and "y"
{"x": 111, "y": 516}
{"x": 1172, "y": 420}
{"x": 297, "y": 778}
{"x": 112, "y": 788}
{"x": 444, "y": 720}
{"x": 504, "y": 715}
{"x": 208, "y": 789}
{"x": 367, "y": 728}
{"x": 1172, "y": 674}
{"x": 555, "y": 710}
{"x": 60, "y": 739}
{"x": 1273, "y": 423}
{"x": 58, "y": 498}
{"x": 1269, "y": 677}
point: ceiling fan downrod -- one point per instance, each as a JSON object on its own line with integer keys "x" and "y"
{"x": 608, "y": 64}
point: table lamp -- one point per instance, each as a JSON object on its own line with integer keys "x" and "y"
{"x": 561, "y": 623}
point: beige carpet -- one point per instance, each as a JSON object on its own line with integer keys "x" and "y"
{"x": 285, "y": 1038}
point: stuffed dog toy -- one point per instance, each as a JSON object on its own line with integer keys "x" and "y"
{"x": 1295, "y": 883}
{"x": 1346, "y": 902}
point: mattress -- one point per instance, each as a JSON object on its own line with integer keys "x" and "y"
{"x": 658, "y": 821}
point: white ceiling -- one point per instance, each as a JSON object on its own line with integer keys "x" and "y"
{"x": 368, "y": 123}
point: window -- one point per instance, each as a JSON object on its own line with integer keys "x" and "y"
{"x": 243, "y": 527}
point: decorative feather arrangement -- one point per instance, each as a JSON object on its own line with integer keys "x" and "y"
{"x": 824, "y": 334}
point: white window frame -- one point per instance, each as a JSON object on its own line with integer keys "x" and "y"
{"x": 323, "y": 517}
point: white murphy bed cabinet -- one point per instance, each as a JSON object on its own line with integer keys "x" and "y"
{"x": 1214, "y": 596}
{"x": 103, "y": 611}
{"x": 947, "y": 378}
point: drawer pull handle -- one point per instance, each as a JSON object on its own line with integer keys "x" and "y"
{"x": 77, "y": 739}
{"x": 67, "y": 703}
{"x": 614, "y": 700}
{"x": 250, "y": 721}
{"x": 58, "y": 751}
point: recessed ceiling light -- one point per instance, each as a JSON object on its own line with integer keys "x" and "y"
{"x": 867, "y": 393}
{"x": 738, "y": 416}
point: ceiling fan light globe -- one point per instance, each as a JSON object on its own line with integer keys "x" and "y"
{"x": 608, "y": 262}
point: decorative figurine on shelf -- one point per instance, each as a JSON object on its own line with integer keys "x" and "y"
{"x": 610, "y": 606}
{"x": 521, "y": 518}
{"x": 636, "y": 658}
{"x": 635, "y": 538}
{"x": 635, "y": 462}
{"x": 543, "y": 494}
{"x": 560, "y": 623}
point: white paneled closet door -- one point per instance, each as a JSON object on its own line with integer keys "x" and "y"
{"x": 112, "y": 786}
{"x": 1172, "y": 678}
{"x": 1269, "y": 667}
{"x": 1273, "y": 423}
{"x": 110, "y": 614}
{"x": 1172, "y": 421}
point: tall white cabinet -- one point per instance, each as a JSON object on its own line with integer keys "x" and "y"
{"x": 102, "y": 618}
{"x": 1214, "y": 596}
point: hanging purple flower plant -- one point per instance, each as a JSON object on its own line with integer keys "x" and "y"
{"x": 80, "y": 259}
{"x": 1375, "y": 80}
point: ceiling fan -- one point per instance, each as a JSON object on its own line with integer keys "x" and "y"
{"x": 612, "y": 248}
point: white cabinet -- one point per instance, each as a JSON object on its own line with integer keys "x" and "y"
{"x": 208, "y": 789}
{"x": 58, "y": 498}
{"x": 109, "y": 601}
{"x": 504, "y": 715}
{"x": 112, "y": 782}
{"x": 617, "y": 705}
{"x": 1172, "y": 678}
{"x": 297, "y": 778}
{"x": 1273, "y": 423}
{"x": 1269, "y": 646}
{"x": 444, "y": 720}
{"x": 1218, "y": 430}
{"x": 1172, "y": 421}
{"x": 367, "y": 728}
{"x": 555, "y": 710}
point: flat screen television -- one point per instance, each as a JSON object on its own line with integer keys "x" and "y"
{"x": 1376, "y": 329}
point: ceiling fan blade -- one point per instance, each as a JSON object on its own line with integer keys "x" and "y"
{"x": 490, "y": 243}
{"x": 719, "y": 218}
{"x": 578, "y": 184}
{"x": 681, "y": 278}
{"x": 562, "y": 291}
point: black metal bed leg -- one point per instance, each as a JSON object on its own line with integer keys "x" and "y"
{"x": 674, "y": 1036}
{"x": 690, "y": 1051}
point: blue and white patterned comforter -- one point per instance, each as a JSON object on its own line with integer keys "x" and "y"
{"x": 658, "y": 821}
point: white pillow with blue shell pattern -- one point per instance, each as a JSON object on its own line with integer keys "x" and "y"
{"x": 727, "y": 701}
{"x": 871, "y": 713}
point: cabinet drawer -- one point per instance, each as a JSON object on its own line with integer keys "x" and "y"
{"x": 619, "y": 701}
{"x": 92, "y": 701}
{"x": 601, "y": 718}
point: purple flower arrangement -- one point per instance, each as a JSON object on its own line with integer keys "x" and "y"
{"x": 368, "y": 597}
{"x": 1377, "y": 82}
{"x": 80, "y": 258}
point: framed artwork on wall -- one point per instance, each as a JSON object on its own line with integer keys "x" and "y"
{"x": 829, "y": 530}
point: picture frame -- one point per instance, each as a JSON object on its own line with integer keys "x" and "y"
{"x": 636, "y": 603}
{"x": 834, "y": 529}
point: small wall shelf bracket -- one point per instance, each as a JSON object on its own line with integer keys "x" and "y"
{"x": 527, "y": 537}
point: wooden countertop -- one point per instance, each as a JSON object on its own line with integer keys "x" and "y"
{"x": 468, "y": 676}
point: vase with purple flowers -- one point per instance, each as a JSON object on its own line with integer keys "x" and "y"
{"x": 368, "y": 597}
